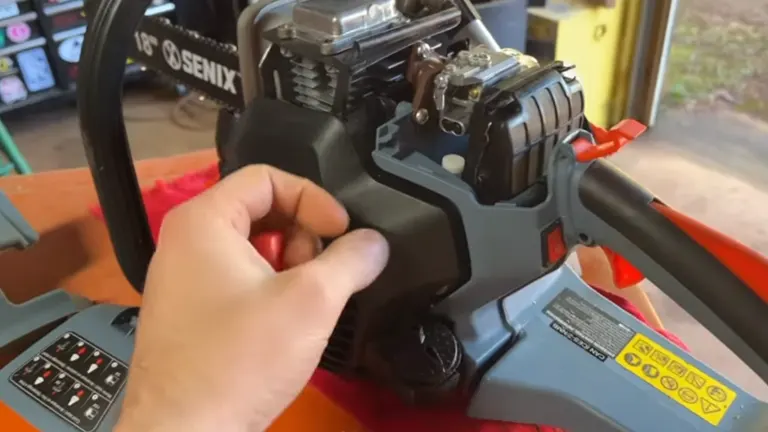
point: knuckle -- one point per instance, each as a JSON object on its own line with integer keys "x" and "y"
{"x": 177, "y": 220}
{"x": 252, "y": 170}
{"x": 179, "y": 215}
{"x": 316, "y": 287}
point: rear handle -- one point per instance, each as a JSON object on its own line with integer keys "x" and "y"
{"x": 720, "y": 282}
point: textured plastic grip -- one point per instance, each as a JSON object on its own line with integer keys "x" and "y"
{"x": 682, "y": 258}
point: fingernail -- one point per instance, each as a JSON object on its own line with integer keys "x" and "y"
{"x": 371, "y": 243}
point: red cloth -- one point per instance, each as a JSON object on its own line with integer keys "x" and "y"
{"x": 377, "y": 409}
{"x": 163, "y": 196}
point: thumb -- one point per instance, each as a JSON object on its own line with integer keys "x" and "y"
{"x": 349, "y": 264}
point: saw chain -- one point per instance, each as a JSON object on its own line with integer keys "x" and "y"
{"x": 204, "y": 65}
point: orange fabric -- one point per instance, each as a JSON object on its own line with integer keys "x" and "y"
{"x": 750, "y": 266}
{"x": 313, "y": 411}
{"x": 10, "y": 420}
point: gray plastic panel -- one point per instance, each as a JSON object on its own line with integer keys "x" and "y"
{"x": 503, "y": 240}
{"x": 15, "y": 232}
{"x": 546, "y": 378}
{"x": 19, "y": 320}
{"x": 94, "y": 325}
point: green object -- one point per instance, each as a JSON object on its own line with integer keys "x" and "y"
{"x": 16, "y": 159}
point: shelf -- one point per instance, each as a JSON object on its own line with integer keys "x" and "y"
{"x": 25, "y": 17}
{"x": 60, "y": 36}
{"x": 54, "y": 93}
{"x": 13, "y": 49}
{"x": 64, "y": 7}
{"x": 49, "y": 15}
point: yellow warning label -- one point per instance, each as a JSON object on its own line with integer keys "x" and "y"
{"x": 684, "y": 383}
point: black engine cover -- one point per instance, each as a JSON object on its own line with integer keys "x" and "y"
{"x": 422, "y": 233}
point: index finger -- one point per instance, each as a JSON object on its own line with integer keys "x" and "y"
{"x": 255, "y": 191}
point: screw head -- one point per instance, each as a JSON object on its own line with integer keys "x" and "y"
{"x": 421, "y": 116}
{"x": 441, "y": 81}
{"x": 475, "y": 93}
{"x": 423, "y": 50}
{"x": 286, "y": 31}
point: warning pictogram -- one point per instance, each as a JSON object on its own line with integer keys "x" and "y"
{"x": 717, "y": 393}
{"x": 677, "y": 369}
{"x": 669, "y": 383}
{"x": 632, "y": 359}
{"x": 676, "y": 375}
{"x": 695, "y": 380}
{"x": 660, "y": 358}
{"x": 708, "y": 407}
{"x": 643, "y": 347}
{"x": 650, "y": 371}
{"x": 688, "y": 395}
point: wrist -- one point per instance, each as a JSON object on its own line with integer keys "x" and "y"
{"x": 165, "y": 418}
{"x": 156, "y": 421}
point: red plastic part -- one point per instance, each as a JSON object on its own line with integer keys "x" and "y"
{"x": 556, "y": 249}
{"x": 624, "y": 273}
{"x": 271, "y": 246}
{"x": 608, "y": 141}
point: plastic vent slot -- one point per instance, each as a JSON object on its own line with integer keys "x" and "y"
{"x": 338, "y": 354}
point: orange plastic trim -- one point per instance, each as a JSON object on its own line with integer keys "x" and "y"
{"x": 10, "y": 420}
{"x": 750, "y": 266}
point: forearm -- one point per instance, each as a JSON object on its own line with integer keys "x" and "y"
{"x": 151, "y": 408}
{"x": 159, "y": 420}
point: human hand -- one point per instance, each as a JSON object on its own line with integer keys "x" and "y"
{"x": 223, "y": 341}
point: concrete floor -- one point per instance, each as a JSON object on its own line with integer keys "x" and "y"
{"x": 52, "y": 140}
{"x": 711, "y": 165}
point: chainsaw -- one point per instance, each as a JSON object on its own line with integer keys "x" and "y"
{"x": 478, "y": 165}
